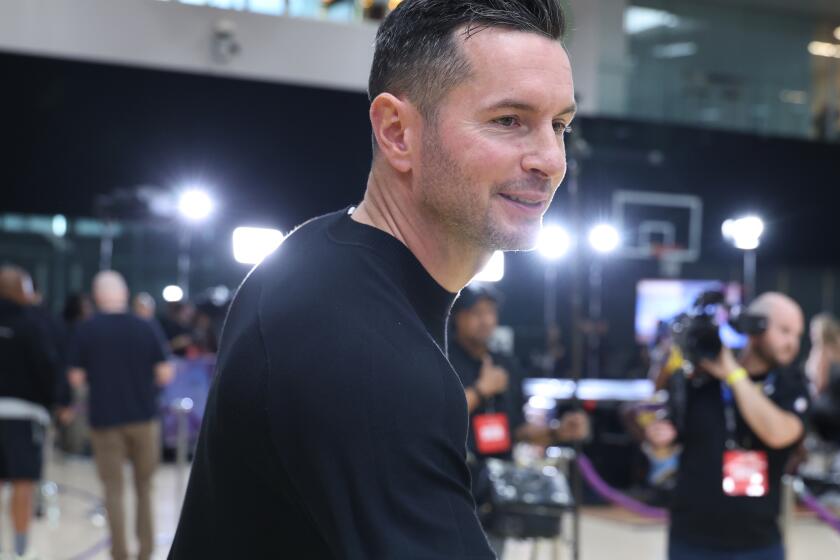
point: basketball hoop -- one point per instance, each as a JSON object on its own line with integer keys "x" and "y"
{"x": 668, "y": 257}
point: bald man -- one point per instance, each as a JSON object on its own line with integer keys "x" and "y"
{"x": 123, "y": 360}
{"x": 28, "y": 370}
{"x": 739, "y": 432}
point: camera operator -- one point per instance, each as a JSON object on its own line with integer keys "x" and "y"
{"x": 738, "y": 430}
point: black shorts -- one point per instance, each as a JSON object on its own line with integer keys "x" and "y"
{"x": 21, "y": 449}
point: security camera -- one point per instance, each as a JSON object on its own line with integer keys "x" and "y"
{"x": 225, "y": 46}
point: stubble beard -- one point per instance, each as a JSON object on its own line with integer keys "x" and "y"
{"x": 765, "y": 352}
{"x": 450, "y": 197}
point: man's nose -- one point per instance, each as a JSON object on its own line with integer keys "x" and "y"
{"x": 547, "y": 155}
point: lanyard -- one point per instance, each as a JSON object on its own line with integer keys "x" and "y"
{"x": 490, "y": 405}
{"x": 729, "y": 407}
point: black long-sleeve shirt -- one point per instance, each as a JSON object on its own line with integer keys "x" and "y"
{"x": 335, "y": 427}
{"x": 28, "y": 359}
{"x": 510, "y": 402}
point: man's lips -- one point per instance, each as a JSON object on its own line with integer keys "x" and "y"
{"x": 531, "y": 200}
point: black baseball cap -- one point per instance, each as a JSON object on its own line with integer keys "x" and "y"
{"x": 473, "y": 293}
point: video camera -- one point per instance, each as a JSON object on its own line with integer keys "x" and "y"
{"x": 697, "y": 331}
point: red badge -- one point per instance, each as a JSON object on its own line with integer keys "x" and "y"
{"x": 492, "y": 433}
{"x": 745, "y": 473}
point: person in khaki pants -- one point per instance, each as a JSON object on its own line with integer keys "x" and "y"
{"x": 122, "y": 359}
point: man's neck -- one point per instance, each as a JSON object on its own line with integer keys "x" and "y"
{"x": 112, "y": 309}
{"x": 755, "y": 364}
{"x": 388, "y": 206}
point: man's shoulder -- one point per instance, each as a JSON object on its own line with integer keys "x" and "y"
{"x": 26, "y": 319}
{"x": 116, "y": 324}
{"x": 791, "y": 376}
{"x": 791, "y": 382}
{"x": 308, "y": 238}
{"x": 314, "y": 276}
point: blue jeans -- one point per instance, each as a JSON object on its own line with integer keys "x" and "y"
{"x": 681, "y": 551}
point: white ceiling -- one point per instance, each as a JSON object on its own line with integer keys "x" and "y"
{"x": 828, "y": 8}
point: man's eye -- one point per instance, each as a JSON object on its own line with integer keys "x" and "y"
{"x": 506, "y": 121}
{"x": 562, "y": 128}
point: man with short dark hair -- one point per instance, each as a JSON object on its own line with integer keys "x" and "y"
{"x": 493, "y": 389}
{"x": 28, "y": 372}
{"x": 335, "y": 426}
{"x": 738, "y": 431}
{"x": 123, "y": 360}
{"x": 493, "y": 381}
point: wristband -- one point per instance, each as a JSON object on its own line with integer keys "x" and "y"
{"x": 736, "y": 376}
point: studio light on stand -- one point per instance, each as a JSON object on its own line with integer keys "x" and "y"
{"x": 195, "y": 205}
{"x": 252, "y": 244}
{"x": 172, "y": 294}
{"x": 604, "y": 239}
{"x": 745, "y": 234}
{"x": 553, "y": 244}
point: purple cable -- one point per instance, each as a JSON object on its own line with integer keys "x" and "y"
{"x": 823, "y": 513}
{"x": 96, "y": 502}
{"x": 614, "y": 496}
{"x": 93, "y": 551}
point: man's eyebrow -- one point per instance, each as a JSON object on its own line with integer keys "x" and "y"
{"x": 527, "y": 107}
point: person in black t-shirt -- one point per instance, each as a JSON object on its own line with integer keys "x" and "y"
{"x": 177, "y": 326}
{"x": 123, "y": 360}
{"x": 493, "y": 389}
{"x": 28, "y": 372}
{"x": 739, "y": 430}
{"x": 336, "y": 427}
{"x": 493, "y": 382}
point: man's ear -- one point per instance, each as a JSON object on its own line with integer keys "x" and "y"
{"x": 395, "y": 123}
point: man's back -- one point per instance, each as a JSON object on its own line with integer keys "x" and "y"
{"x": 28, "y": 363}
{"x": 335, "y": 426}
{"x": 118, "y": 352}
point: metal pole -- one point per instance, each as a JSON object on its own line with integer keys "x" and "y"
{"x": 788, "y": 509}
{"x": 577, "y": 302}
{"x": 185, "y": 240}
{"x": 577, "y": 491}
{"x": 106, "y": 246}
{"x": 550, "y": 299}
{"x": 182, "y": 408}
{"x": 593, "y": 338}
{"x": 550, "y": 317}
{"x": 832, "y": 112}
{"x": 574, "y": 167}
{"x": 749, "y": 275}
{"x": 47, "y": 494}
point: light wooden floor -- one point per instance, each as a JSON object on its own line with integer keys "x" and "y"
{"x": 76, "y": 530}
